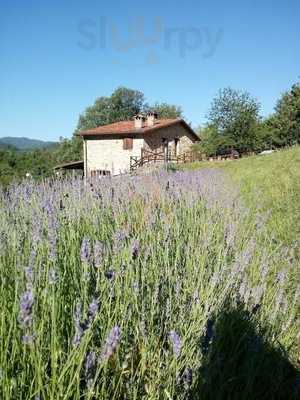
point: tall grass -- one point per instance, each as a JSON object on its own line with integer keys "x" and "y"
{"x": 270, "y": 183}
{"x": 157, "y": 287}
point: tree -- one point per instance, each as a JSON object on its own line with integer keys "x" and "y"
{"x": 212, "y": 143}
{"x": 286, "y": 119}
{"x": 235, "y": 116}
{"x": 165, "y": 110}
{"x": 123, "y": 104}
{"x": 265, "y": 136}
{"x": 69, "y": 150}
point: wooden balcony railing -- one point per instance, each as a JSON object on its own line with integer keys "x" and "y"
{"x": 149, "y": 157}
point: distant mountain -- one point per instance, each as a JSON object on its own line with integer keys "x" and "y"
{"x": 5, "y": 146}
{"x": 23, "y": 143}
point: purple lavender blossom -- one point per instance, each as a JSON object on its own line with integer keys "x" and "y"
{"x": 264, "y": 270}
{"x": 93, "y": 309}
{"x": 196, "y": 297}
{"x": 120, "y": 235}
{"x": 52, "y": 232}
{"x": 111, "y": 343}
{"x": 79, "y": 331}
{"x": 177, "y": 288}
{"x": 143, "y": 325}
{"x": 136, "y": 287}
{"x": 26, "y": 304}
{"x": 281, "y": 277}
{"x": 110, "y": 274}
{"x": 29, "y": 274}
{"x": 187, "y": 378}
{"x": 98, "y": 253}
{"x": 82, "y": 325}
{"x": 242, "y": 289}
{"x": 176, "y": 343}
{"x": 85, "y": 251}
{"x": 135, "y": 249}
{"x": 119, "y": 239}
{"x": 28, "y": 339}
{"x": 280, "y": 302}
{"x": 209, "y": 334}
{"x": 257, "y": 294}
{"x": 90, "y": 365}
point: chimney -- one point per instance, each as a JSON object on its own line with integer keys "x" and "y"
{"x": 138, "y": 121}
{"x": 151, "y": 117}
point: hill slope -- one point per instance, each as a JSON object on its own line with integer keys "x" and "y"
{"x": 23, "y": 143}
{"x": 272, "y": 184}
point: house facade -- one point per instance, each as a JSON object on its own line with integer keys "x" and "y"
{"x": 108, "y": 149}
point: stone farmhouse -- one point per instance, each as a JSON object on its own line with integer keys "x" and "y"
{"x": 111, "y": 149}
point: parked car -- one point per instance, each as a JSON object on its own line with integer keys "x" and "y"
{"x": 229, "y": 153}
{"x": 263, "y": 153}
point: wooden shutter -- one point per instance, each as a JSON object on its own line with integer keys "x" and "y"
{"x": 127, "y": 144}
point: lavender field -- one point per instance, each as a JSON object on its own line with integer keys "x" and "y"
{"x": 150, "y": 287}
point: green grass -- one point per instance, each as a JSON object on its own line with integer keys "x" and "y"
{"x": 270, "y": 183}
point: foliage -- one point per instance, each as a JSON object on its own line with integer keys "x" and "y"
{"x": 234, "y": 115}
{"x": 14, "y": 165}
{"x": 164, "y": 286}
{"x": 165, "y": 110}
{"x": 122, "y": 105}
{"x": 69, "y": 150}
{"x": 234, "y": 121}
{"x": 212, "y": 143}
{"x": 286, "y": 120}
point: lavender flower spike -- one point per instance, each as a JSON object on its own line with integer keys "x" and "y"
{"x": 176, "y": 342}
{"x": 85, "y": 251}
{"x": 111, "y": 343}
{"x": 93, "y": 309}
{"x": 79, "y": 331}
{"x": 28, "y": 339}
{"x": 135, "y": 249}
{"x": 209, "y": 335}
{"x": 98, "y": 253}
{"x": 90, "y": 364}
{"x": 26, "y": 304}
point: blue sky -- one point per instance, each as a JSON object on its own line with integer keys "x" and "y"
{"x": 58, "y": 56}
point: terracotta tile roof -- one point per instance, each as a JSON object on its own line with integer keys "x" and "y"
{"x": 124, "y": 128}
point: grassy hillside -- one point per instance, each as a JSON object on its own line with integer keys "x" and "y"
{"x": 270, "y": 183}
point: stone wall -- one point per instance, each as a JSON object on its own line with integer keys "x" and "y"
{"x": 107, "y": 154}
{"x": 154, "y": 141}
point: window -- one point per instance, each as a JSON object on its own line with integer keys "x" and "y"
{"x": 127, "y": 144}
{"x": 96, "y": 173}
